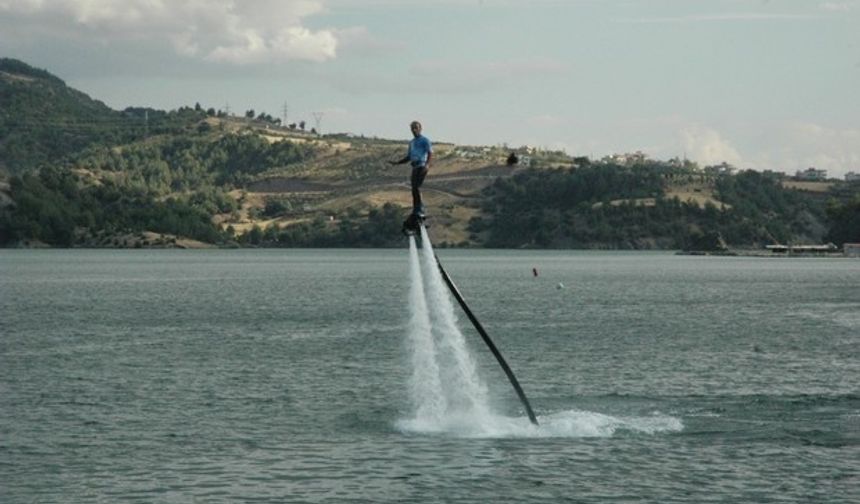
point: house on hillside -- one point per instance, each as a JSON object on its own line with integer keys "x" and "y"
{"x": 811, "y": 174}
{"x": 626, "y": 159}
{"x": 720, "y": 169}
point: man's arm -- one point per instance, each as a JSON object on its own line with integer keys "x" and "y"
{"x": 429, "y": 148}
{"x": 400, "y": 161}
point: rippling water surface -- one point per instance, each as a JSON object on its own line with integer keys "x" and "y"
{"x": 283, "y": 376}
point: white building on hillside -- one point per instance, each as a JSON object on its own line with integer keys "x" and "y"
{"x": 811, "y": 174}
{"x": 627, "y": 159}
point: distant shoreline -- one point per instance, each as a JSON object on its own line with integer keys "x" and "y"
{"x": 767, "y": 255}
{"x": 186, "y": 244}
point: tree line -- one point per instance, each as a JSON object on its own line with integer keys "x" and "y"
{"x": 627, "y": 207}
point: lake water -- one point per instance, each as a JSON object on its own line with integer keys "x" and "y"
{"x": 291, "y": 376}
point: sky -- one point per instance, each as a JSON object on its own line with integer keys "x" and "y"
{"x": 760, "y": 84}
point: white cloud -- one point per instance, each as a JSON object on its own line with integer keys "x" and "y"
{"x": 294, "y": 43}
{"x": 839, "y": 6}
{"x": 785, "y": 147}
{"x": 809, "y": 144}
{"x": 232, "y": 31}
{"x": 706, "y": 145}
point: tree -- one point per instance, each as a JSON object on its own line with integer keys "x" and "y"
{"x": 255, "y": 235}
{"x": 277, "y": 206}
{"x": 844, "y": 221}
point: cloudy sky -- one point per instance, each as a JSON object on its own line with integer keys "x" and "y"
{"x": 763, "y": 84}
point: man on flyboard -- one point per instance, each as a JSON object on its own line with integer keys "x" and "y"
{"x": 419, "y": 155}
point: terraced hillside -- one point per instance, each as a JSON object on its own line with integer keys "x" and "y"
{"x": 350, "y": 175}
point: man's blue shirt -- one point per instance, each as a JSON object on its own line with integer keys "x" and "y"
{"x": 419, "y": 149}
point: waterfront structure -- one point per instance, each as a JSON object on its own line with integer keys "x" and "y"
{"x": 827, "y": 248}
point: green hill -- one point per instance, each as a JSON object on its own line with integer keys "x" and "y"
{"x": 74, "y": 172}
{"x": 41, "y": 119}
{"x": 632, "y": 207}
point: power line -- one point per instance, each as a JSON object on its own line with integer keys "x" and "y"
{"x": 317, "y": 120}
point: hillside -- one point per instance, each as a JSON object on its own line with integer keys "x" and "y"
{"x": 78, "y": 173}
{"x": 42, "y": 120}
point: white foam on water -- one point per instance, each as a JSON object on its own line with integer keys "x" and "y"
{"x": 577, "y": 423}
{"x": 563, "y": 424}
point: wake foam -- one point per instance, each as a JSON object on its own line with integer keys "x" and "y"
{"x": 564, "y": 424}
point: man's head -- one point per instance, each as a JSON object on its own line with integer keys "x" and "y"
{"x": 415, "y": 126}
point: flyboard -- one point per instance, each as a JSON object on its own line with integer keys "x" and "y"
{"x": 413, "y": 226}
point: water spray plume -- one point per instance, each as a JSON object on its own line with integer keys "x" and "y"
{"x": 426, "y": 390}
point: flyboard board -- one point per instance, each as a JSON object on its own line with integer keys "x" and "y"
{"x": 415, "y": 228}
{"x": 412, "y": 224}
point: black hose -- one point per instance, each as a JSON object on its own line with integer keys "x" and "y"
{"x": 488, "y": 341}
